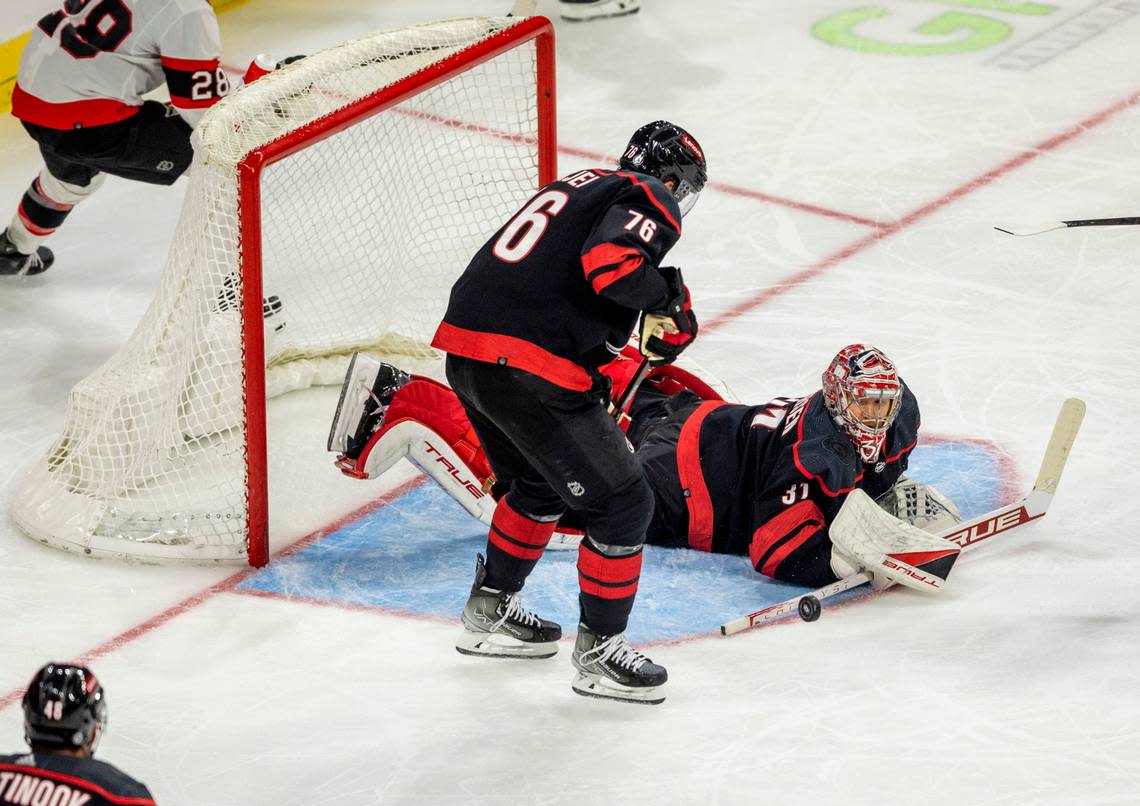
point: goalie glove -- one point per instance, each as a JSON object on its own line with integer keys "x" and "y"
{"x": 664, "y": 334}
{"x": 919, "y": 505}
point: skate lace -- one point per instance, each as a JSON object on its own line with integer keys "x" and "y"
{"x": 515, "y": 611}
{"x": 31, "y": 263}
{"x": 616, "y": 649}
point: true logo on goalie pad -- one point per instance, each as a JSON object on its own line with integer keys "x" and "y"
{"x": 471, "y": 487}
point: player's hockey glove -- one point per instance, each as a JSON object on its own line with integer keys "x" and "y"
{"x": 667, "y": 332}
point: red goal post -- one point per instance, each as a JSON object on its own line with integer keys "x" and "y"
{"x": 331, "y": 205}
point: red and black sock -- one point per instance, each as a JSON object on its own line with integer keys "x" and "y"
{"x": 608, "y": 587}
{"x": 514, "y": 545}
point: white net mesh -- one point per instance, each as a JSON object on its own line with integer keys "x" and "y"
{"x": 364, "y": 230}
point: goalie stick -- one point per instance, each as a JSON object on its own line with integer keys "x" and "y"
{"x": 1082, "y": 222}
{"x": 966, "y": 534}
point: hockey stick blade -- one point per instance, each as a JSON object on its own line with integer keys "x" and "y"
{"x": 1082, "y": 222}
{"x": 967, "y": 534}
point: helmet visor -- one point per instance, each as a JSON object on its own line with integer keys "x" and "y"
{"x": 686, "y": 196}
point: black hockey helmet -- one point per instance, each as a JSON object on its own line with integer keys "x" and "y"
{"x": 667, "y": 151}
{"x": 64, "y": 707}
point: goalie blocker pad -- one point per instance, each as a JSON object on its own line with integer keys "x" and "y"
{"x": 886, "y": 547}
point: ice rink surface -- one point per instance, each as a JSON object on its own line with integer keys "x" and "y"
{"x": 859, "y": 156}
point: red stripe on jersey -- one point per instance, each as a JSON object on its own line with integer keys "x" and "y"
{"x": 606, "y": 263}
{"x": 656, "y": 202}
{"x": 799, "y": 522}
{"x": 804, "y": 470}
{"x": 697, "y": 499}
{"x": 189, "y": 65}
{"x": 607, "y": 577}
{"x": 80, "y": 783}
{"x": 495, "y": 348}
{"x": 71, "y": 115}
{"x": 518, "y": 535}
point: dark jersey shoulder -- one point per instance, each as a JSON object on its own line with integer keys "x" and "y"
{"x": 570, "y": 271}
{"x": 103, "y": 782}
{"x": 822, "y": 451}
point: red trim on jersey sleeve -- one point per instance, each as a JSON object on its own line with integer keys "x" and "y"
{"x": 902, "y": 452}
{"x": 70, "y": 115}
{"x": 653, "y": 199}
{"x": 81, "y": 783}
{"x": 801, "y": 520}
{"x": 607, "y": 577}
{"x": 698, "y": 501}
{"x": 189, "y": 65}
{"x": 495, "y": 348}
{"x": 607, "y": 263}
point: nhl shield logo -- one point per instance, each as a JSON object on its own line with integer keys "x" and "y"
{"x": 576, "y": 489}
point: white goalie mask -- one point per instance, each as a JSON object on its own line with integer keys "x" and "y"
{"x": 863, "y": 393}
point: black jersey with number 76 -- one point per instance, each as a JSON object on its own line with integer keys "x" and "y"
{"x": 557, "y": 290}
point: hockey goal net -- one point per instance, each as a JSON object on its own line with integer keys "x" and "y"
{"x": 331, "y": 205}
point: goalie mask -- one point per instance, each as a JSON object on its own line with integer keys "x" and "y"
{"x": 863, "y": 393}
{"x": 670, "y": 153}
{"x": 64, "y": 707}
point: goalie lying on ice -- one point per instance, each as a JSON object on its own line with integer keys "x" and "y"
{"x": 762, "y": 481}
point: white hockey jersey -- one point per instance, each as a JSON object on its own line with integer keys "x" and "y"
{"x": 90, "y": 63}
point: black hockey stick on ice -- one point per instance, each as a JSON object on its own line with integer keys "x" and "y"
{"x": 1081, "y": 222}
{"x": 966, "y": 534}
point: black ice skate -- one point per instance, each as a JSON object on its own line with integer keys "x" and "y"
{"x": 608, "y": 667}
{"x": 495, "y": 624}
{"x": 13, "y": 261}
{"x": 368, "y": 388}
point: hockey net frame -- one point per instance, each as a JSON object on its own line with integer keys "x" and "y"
{"x": 34, "y": 509}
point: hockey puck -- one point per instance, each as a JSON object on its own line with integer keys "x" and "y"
{"x": 809, "y": 608}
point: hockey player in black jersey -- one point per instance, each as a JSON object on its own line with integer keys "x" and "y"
{"x": 760, "y": 481}
{"x": 766, "y": 481}
{"x": 550, "y": 298}
{"x": 65, "y": 714}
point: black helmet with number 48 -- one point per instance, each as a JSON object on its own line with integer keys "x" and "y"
{"x": 667, "y": 151}
{"x": 64, "y": 707}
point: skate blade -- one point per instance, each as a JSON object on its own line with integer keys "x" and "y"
{"x": 492, "y": 645}
{"x": 592, "y": 685}
{"x": 353, "y": 395}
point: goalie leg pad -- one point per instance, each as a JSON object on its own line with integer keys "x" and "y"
{"x": 875, "y": 541}
{"x": 368, "y": 388}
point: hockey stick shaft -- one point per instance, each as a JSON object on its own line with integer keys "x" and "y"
{"x": 618, "y": 408}
{"x": 967, "y": 535}
{"x": 1080, "y": 222}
